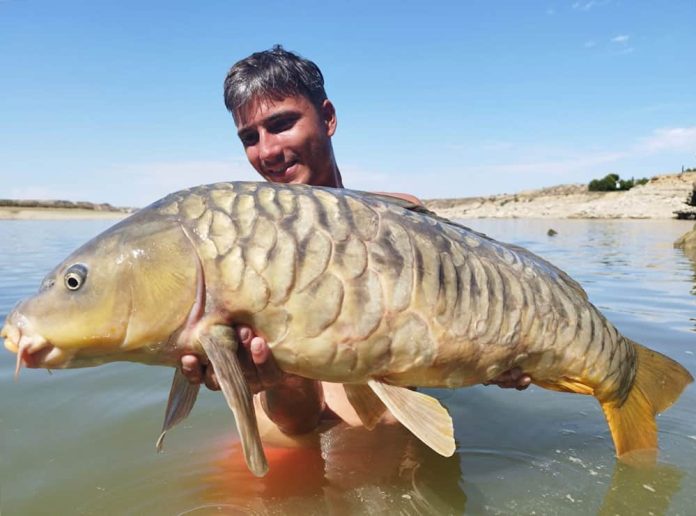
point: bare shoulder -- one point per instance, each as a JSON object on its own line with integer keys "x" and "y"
{"x": 404, "y": 196}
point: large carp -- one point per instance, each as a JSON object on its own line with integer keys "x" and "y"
{"x": 345, "y": 287}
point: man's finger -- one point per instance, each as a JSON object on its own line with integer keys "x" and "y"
{"x": 523, "y": 382}
{"x": 191, "y": 368}
{"x": 210, "y": 378}
{"x": 245, "y": 335}
{"x": 268, "y": 371}
{"x": 515, "y": 374}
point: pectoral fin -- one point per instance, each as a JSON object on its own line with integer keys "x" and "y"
{"x": 182, "y": 397}
{"x": 421, "y": 414}
{"x": 367, "y": 405}
{"x": 220, "y": 344}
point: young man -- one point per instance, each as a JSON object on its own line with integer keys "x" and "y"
{"x": 285, "y": 123}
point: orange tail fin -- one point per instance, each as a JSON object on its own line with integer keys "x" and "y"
{"x": 658, "y": 383}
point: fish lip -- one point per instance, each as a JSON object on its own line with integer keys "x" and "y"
{"x": 11, "y": 334}
{"x": 32, "y": 349}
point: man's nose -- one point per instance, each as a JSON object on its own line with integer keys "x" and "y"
{"x": 270, "y": 150}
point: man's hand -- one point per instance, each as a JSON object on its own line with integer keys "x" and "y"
{"x": 260, "y": 370}
{"x": 511, "y": 378}
{"x": 293, "y": 403}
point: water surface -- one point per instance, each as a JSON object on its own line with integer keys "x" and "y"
{"x": 82, "y": 441}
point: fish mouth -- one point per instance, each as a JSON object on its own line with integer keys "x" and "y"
{"x": 33, "y": 350}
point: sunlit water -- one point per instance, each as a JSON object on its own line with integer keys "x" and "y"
{"x": 82, "y": 441}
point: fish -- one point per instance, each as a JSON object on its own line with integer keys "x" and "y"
{"x": 359, "y": 289}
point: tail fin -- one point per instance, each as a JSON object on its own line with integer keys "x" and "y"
{"x": 658, "y": 383}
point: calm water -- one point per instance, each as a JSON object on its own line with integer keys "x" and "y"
{"x": 82, "y": 441}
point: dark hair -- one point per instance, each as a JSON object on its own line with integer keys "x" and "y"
{"x": 273, "y": 74}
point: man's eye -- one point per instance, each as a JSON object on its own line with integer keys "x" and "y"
{"x": 249, "y": 139}
{"x": 279, "y": 126}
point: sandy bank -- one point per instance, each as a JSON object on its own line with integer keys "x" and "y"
{"x": 658, "y": 199}
{"x": 12, "y": 209}
{"x": 7, "y": 213}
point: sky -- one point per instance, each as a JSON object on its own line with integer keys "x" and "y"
{"x": 121, "y": 102}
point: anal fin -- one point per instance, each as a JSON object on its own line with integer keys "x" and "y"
{"x": 423, "y": 415}
{"x": 565, "y": 385}
{"x": 220, "y": 345}
{"x": 182, "y": 397}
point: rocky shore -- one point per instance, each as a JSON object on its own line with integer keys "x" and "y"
{"x": 660, "y": 198}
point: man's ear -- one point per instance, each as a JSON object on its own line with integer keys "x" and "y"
{"x": 328, "y": 115}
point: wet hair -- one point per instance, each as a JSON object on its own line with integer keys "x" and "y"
{"x": 273, "y": 74}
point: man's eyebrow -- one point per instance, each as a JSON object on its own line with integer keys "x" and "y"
{"x": 288, "y": 113}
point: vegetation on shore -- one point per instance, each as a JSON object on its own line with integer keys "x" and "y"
{"x": 612, "y": 183}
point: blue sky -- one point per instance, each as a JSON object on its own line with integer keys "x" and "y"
{"x": 121, "y": 102}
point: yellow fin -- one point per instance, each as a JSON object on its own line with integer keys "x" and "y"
{"x": 658, "y": 383}
{"x": 421, "y": 414}
{"x": 366, "y": 403}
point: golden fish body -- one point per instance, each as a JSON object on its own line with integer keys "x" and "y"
{"x": 345, "y": 287}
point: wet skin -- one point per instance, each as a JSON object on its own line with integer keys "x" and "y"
{"x": 289, "y": 141}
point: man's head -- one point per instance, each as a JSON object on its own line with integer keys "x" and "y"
{"x": 283, "y": 117}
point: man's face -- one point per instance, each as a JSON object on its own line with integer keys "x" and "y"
{"x": 289, "y": 141}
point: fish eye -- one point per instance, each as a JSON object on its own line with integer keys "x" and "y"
{"x": 75, "y": 276}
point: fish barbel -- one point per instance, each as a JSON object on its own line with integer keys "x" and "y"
{"x": 346, "y": 287}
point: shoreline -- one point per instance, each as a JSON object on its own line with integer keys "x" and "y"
{"x": 660, "y": 198}
{"x": 47, "y": 213}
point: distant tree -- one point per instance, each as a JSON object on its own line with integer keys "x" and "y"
{"x": 612, "y": 182}
{"x": 607, "y": 184}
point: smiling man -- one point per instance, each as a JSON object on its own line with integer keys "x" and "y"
{"x": 285, "y": 123}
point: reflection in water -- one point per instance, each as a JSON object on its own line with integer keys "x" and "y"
{"x": 649, "y": 490}
{"x": 352, "y": 471}
{"x": 690, "y": 254}
{"x": 389, "y": 471}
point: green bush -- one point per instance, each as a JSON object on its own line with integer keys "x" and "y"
{"x": 612, "y": 182}
{"x": 607, "y": 184}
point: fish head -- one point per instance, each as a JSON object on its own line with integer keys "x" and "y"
{"x": 121, "y": 296}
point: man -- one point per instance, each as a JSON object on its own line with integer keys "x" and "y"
{"x": 285, "y": 123}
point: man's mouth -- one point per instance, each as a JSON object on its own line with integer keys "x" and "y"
{"x": 283, "y": 171}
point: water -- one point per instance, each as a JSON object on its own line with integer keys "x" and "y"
{"x": 82, "y": 441}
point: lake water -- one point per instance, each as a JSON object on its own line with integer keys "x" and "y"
{"x": 82, "y": 441}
